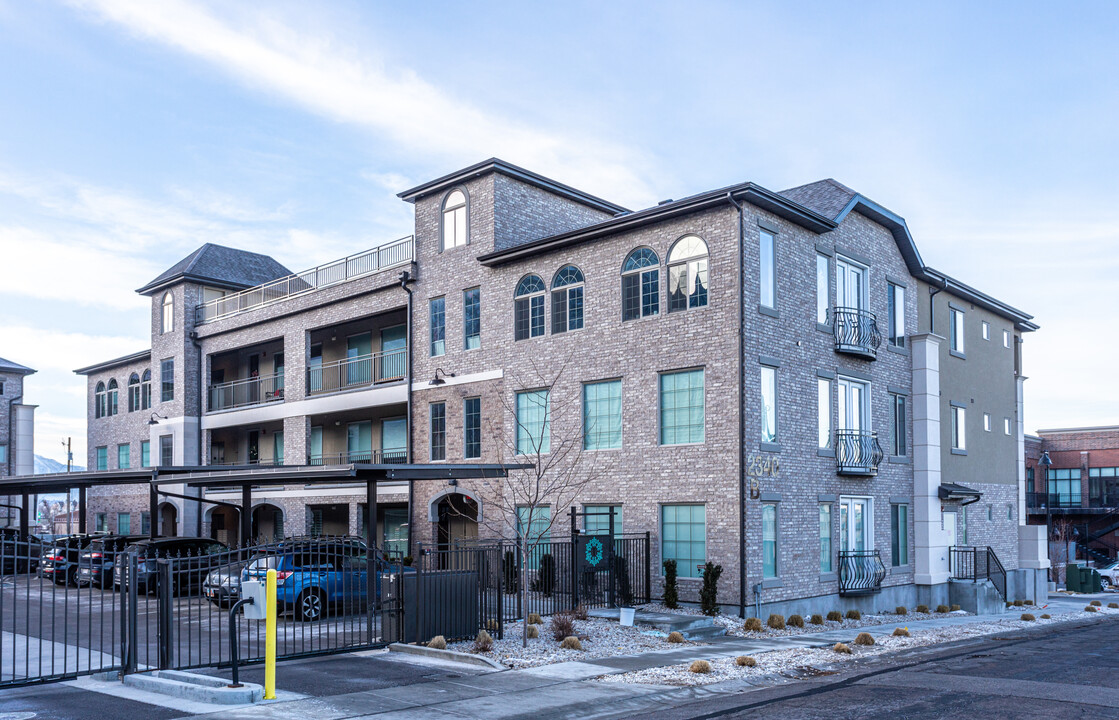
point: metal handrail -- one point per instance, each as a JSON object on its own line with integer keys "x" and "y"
{"x": 360, "y": 371}
{"x": 861, "y": 572}
{"x": 247, "y": 391}
{"x": 387, "y": 456}
{"x": 857, "y": 452}
{"x": 856, "y": 331}
{"x": 975, "y": 564}
{"x": 382, "y": 257}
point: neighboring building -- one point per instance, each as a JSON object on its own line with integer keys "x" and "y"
{"x": 738, "y": 358}
{"x": 17, "y": 432}
{"x": 1079, "y": 487}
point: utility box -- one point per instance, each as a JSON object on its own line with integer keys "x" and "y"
{"x": 437, "y": 602}
{"x": 257, "y": 609}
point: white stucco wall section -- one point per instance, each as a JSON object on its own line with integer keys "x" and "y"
{"x": 930, "y": 539}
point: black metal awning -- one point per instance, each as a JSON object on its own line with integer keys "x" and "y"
{"x": 955, "y": 491}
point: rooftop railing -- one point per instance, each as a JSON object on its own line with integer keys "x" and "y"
{"x": 393, "y": 254}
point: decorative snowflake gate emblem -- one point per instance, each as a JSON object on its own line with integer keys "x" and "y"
{"x": 594, "y": 552}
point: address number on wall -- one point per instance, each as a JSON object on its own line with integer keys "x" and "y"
{"x": 759, "y": 466}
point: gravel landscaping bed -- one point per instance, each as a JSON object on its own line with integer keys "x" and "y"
{"x": 600, "y": 638}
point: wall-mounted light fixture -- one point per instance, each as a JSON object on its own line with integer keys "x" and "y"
{"x": 153, "y": 421}
{"x": 440, "y": 380}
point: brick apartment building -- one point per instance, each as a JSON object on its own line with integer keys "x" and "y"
{"x": 773, "y": 377}
{"x": 17, "y": 431}
{"x": 1080, "y": 486}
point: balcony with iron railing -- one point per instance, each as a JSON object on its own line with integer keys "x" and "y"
{"x": 390, "y": 456}
{"x": 384, "y": 257}
{"x": 857, "y": 452}
{"x": 357, "y": 372}
{"x": 1041, "y": 503}
{"x": 861, "y": 572}
{"x": 856, "y": 332}
{"x": 247, "y": 392}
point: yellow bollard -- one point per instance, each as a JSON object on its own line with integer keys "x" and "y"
{"x": 270, "y": 637}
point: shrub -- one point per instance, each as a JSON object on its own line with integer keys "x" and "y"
{"x": 509, "y": 570}
{"x": 901, "y": 632}
{"x": 535, "y": 619}
{"x": 954, "y": 608}
{"x": 700, "y": 666}
{"x": 922, "y": 608}
{"x": 571, "y": 643}
{"x": 816, "y": 620}
{"x": 1097, "y": 603}
{"x": 437, "y": 643}
{"x": 561, "y": 626}
{"x": 745, "y": 661}
{"x": 406, "y": 561}
{"x": 483, "y": 643}
{"x": 796, "y": 621}
{"x": 1028, "y": 617}
{"x": 1113, "y": 605}
{"x": 901, "y": 610}
{"x": 1019, "y": 603}
{"x": 533, "y": 632}
{"x": 854, "y": 615}
{"x": 1046, "y": 616}
{"x": 835, "y": 616}
{"x": 709, "y": 593}
{"x": 1009, "y": 604}
{"x": 545, "y": 580}
{"x": 675, "y": 637}
{"x": 864, "y": 638}
{"x": 580, "y": 612}
{"x": 671, "y": 597}
{"x": 841, "y": 648}
{"x": 624, "y": 589}
{"x": 491, "y": 624}
{"x": 1091, "y": 608}
{"x": 775, "y": 621}
{"x": 753, "y": 625}
{"x": 942, "y": 608}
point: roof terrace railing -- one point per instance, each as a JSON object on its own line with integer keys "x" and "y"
{"x": 390, "y": 255}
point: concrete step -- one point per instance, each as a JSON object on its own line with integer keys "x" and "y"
{"x": 980, "y": 598}
{"x": 199, "y": 688}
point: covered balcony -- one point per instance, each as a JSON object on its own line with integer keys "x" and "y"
{"x": 246, "y": 377}
{"x": 857, "y": 452}
{"x": 358, "y": 354}
{"x": 258, "y": 445}
{"x": 856, "y": 332}
{"x": 374, "y": 435}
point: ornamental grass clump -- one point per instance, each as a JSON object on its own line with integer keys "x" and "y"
{"x": 533, "y": 632}
{"x": 581, "y": 612}
{"x": 1090, "y": 608}
{"x": 562, "y": 625}
{"x": 841, "y": 648}
{"x": 854, "y": 615}
{"x": 955, "y": 608}
{"x": 483, "y": 642}
{"x": 816, "y": 619}
{"x": 1028, "y": 617}
{"x": 923, "y": 609}
{"x": 835, "y": 616}
{"x": 700, "y": 666}
{"x": 864, "y": 638}
{"x": 796, "y": 621}
{"x": 901, "y": 632}
{"x": 437, "y": 643}
{"x": 942, "y": 608}
{"x": 745, "y": 661}
{"x": 675, "y": 637}
{"x": 901, "y": 610}
{"x": 775, "y": 621}
{"x": 753, "y": 624}
{"x": 1046, "y": 616}
{"x": 1097, "y": 603}
{"x": 535, "y": 619}
{"x": 1113, "y": 606}
{"x": 571, "y": 643}
{"x": 1019, "y": 603}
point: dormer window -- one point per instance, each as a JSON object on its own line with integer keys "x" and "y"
{"x": 168, "y": 313}
{"x": 454, "y": 220}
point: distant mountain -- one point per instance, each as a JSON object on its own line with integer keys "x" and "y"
{"x": 44, "y": 465}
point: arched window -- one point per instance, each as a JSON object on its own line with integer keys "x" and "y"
{"x": 528, "y": 308}
{"x": 567, "y": 300}
{"x": 99, "y": 406}
{"x": 133, "y": 392}
{"x": 168, "y": 313}
{"x": 111, "y": 400}
{"x": 641, "y": 284}
{"x": 146, "y": 390}
{"x": 454, "y": 219}
{"x": 687, "y": 274}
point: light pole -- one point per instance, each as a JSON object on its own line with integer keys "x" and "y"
{"x": 1044, "y": 462}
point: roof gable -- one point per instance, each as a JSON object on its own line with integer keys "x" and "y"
{"x": 11, "y": 367}
{"x": 222, "y": 266}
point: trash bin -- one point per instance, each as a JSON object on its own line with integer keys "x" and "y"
{"x": 1072, "y": 578}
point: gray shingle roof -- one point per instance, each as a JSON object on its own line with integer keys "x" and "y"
{"x": 9, "y": 366}
{"x": 826, "y": 197}
{"x": 219, "y": 265}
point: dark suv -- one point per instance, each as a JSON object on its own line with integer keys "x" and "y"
{"x": 193, "y": 556}
{"x": 19, "y": 553}
{"x": 95, "y": 566}
{"x": 60, "y": 559}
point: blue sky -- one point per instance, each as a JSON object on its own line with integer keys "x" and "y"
{"x": 132, "y": 132}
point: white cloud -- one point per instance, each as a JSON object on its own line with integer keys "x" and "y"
{"x": 51, "y": 350}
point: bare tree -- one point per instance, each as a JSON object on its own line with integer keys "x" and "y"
{"x": 1062, "y": 533}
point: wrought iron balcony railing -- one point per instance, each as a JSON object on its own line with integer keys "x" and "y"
{"x": 383, "y": 257}
{"x": 391, "y": 456}
{"x": 250, "y": 391}
{"x": 857, "y": 452}
{"x": 856, "y": 332}
{"x": 975, "y": 564}
{"x": 861, "y": 572}
{"x": 355, "y": 372}
{"x": 1053, "y": 501}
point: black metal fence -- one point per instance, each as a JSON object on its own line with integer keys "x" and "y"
{"x": 977, "y": 563}
{"x": 856, "y": 331}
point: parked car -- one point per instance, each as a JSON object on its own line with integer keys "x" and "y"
{"x": 193, "y": 560}
{"x": 223, "y": 585}
{"x": 59, "y": 561}
{"x": 315, "y": 576}
{"x": 19, "y": 553}
{"x": 95, "y": 566}
{"x": 1109, "y": 574}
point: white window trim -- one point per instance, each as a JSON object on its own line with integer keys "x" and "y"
{"x": 868, "y": 524}
{"x": 864, "y": 300}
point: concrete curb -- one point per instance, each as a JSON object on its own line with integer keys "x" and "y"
{"x": 449, "y": 655}
{"x": 199, "y": 688}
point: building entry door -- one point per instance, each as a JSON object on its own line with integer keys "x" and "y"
{"x": 949, "y": 524}
{"x": 856, "y": 524}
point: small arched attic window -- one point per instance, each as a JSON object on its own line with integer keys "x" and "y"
{"x": 168, "y": 323}
{"x": 455, "y": 232}
{"x": 687, "y": 274}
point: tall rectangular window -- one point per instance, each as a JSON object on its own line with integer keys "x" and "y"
{"x": 769, "y": 404}
{"x": 959, "y": 428}
{"x": 438, "y": 327}
{"x": 986, "y": 330}
{"x": 101, "y": 523}
{"x": 166, "y": 450}
{"x": 681, "y": 407}
{"x": 1006, "y": 425}
{"x": 472, "y": 318}
{"x": 472, "y": 428}
{"x": 987, "y": 422}
{"x": 102, "y": 458}
{"x": 3, "y": 453}
{"x": 146, "y": 453}
{"x": 528, "y": 317}
{"x": 768, "y": 279}
{"x": 602, "y": 415}
{"x": 533, "y": 431}
{"x": 124, "y": 524}
{"x": 957, "y": 330}
{"x": 822, "y": 288}
{"x": 1065, "y": 483}
{"x": 124, "y": 456}
{"x": 167, "y": 380}
{"x": 438, "y": 431}
{"x": 597, "y": 520}
{"x": 145, "y": 523}
{"x": 769, "y": 540}
{"x": 823, "y": 409}
{"x": 899, "y": 442}
{"x": 684, "y": 538}
{"x": 899, "y": 535}
{"x": 897, "y": 315}
{"x": 825, "y": 538}
{"x": 1006, "y": 338}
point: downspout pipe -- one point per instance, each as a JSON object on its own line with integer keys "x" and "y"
{"x": 405, "y": 280}
{"x": 741, "y": 299}
{"x": 201, "y": 386}
{"x": 933, "y": 292}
